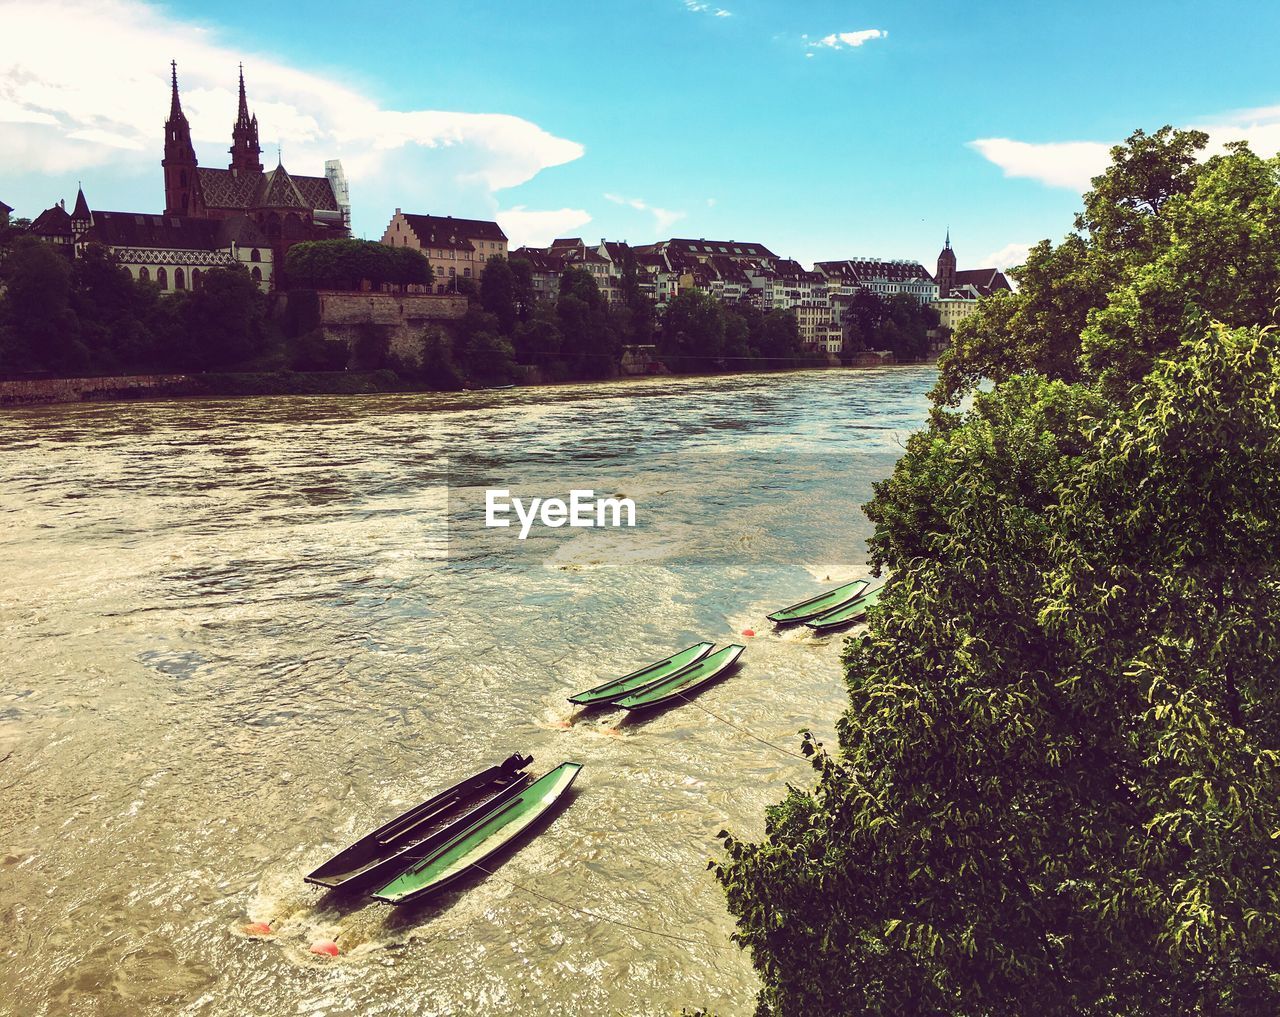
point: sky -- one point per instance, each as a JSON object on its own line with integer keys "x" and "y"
{"x": 824, "y": 129}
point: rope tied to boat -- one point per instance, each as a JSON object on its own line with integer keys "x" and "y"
{"x": 739, "y": 727}
{"x": 599, "y": 917}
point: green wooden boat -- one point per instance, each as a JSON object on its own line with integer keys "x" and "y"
{"x": 636, "y": 680}
{"x": 682, "y": 682}
{"x": 472, "y": 846}
{"x": 847, "y": 614}
{"x": 815, "y": 606}
{"x": 396, "y": 845}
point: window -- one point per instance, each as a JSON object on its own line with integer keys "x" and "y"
{"x": 256, "y": 274}
{"x": 162, "y": 277}
{"x": 195, "y": 278}
{"x": 179, "y": 280}
{"x": 143, "y": 274}
{"x": 466, "y": 273}
{"x": 254, "y": 255}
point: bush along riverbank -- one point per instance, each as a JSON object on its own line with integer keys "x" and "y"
{"x": 1054, "y": 789}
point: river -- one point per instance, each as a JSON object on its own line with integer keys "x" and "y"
{"x": 240, "y": 633}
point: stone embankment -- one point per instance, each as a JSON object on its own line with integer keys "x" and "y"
{"x": 33, "y": 391}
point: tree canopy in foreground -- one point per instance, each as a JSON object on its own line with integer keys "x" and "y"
{"x": 1056, "y": 785}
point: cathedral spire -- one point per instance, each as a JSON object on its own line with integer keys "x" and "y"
{"x": 181, "y": 185}
{"x": 175, "y": 104}
{"x": 243, "y": 118}
{"x": 246, "y": 154}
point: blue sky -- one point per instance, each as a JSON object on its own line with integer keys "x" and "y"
{"x": 641, "y": 119}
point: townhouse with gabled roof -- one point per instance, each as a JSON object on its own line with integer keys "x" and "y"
{"x": 456, "y": 248}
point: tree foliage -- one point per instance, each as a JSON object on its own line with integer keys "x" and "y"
{"x": 1055, "y": 786}
{"x": 346, "y": 264}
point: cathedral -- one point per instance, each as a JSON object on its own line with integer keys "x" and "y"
{"x": 212, "y": 217}
{"x": 288, "y": 209}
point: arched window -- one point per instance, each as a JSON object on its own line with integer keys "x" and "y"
{"x": 162, "y": 277}
{"x": 143, "y": 274}
{"x": 254, "y": 255}
{"x": 195, "y": 278}
{"x": 256, "y": 273}
{"x": 179, "y": 280}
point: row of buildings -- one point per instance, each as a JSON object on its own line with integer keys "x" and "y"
{"x": 250, "y": 216}
{"x": 732, "y": 271}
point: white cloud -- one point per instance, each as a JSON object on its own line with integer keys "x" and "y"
{"x": 1074, "y": 164}
{"x": 538, "y": 227}
{"x": 1070, "y": 164}
{"x": 698, "y": 7}
{"x": 664, "y": 218}
{"x": 89, "y": 86}
{"x": 1259, "y": 127}
{"x": 1009, "y": 256}
{"x": 845, "y": 40}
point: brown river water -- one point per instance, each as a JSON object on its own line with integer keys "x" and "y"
{"x": 238, "y": 634}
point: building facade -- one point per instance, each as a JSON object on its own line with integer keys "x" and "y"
{"x": 286, "y": 209}
{"x": 213, "y": 218}
{"x": 456, "y": 248}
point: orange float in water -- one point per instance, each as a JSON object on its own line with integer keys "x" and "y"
{"x": 257, "y": 929}
{"x": 748, "y": 632}
{"x": 327, "y": 947}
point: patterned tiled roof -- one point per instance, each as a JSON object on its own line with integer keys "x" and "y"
{"x": 278, "y": 190}
{"x": 222, "y": 188}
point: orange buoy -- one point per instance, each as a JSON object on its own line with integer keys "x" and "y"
{"x": 563, "y": 724}
{"x": 257, "y": 929}
{"x": 327, "y": 947}
{"x": 748, "y": 632}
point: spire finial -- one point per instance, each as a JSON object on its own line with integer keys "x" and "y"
{"x": 948, "y": 238}
{"x": 175, "y": 105}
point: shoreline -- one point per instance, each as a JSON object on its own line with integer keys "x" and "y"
{"x": 32, "y": 392}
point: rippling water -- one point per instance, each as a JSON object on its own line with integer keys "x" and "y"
{"x": 237, "y": 635}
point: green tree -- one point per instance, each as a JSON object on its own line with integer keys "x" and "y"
{"x": 1126, "y": 220}
{"x": 39, "y": 329}
{"x": 590, "y": 346}
{"x": 224, "y": 323}
{"x": 539, "y": 340}
{"x": 693, "y": 332}
{"x": 498, "y": 294}
{"x": 1054, "y": 791}
{"x": 1055, "y": 786}
{"x": 522, "y": 284}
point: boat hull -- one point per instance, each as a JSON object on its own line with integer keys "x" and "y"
{"x": 643, "y": 678}
{"x": 688, "y": 680}
{"x": 394, "y": 846}
{"x": 821, "y": 604}
{"x": 470, "y": 848}
{"x": 847, "y": 614}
